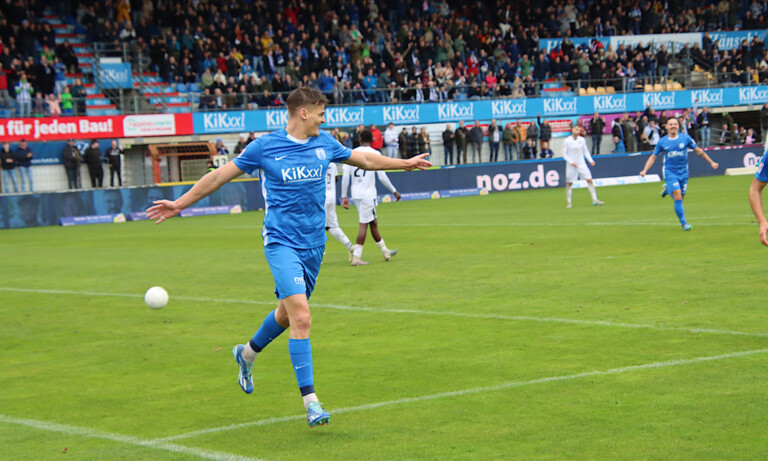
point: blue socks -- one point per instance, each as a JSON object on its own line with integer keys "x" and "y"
{"x": 301, "y": 358}
{"x": 268, "y": 331}
{"x": 680, "y": 212}
{"x": 300, "y": 351}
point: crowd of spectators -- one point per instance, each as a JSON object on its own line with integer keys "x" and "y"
{"x": 246, "y": 53}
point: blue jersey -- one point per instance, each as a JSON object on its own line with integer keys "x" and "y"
{"x": 675, "y": 153}
{"x": 292, "y": 173}
{"x": 762, "y": 171}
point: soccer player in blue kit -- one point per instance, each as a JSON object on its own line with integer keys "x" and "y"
{"x": 292, "y": 164}
{"x": 674, "y": 146}
{"x": 756, "y": 198}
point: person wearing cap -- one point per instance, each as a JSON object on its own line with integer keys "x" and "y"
{"x": 92, "y": 157}
{"x": 70, "y": 157}
{"x": 23, "y": 158}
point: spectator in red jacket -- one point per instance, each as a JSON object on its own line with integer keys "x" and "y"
{"x": 378, "y": 138}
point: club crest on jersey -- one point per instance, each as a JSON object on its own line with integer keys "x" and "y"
{"x": 320, "y": 152}
{"x": 682, "y": 145}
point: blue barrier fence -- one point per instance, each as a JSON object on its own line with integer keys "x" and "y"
{"x": 502, "y": 109}
{"x": 109, "y": 205}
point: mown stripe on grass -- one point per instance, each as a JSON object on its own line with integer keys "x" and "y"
{"x": 519, "y": 318}
{"x": 476, "y": 390}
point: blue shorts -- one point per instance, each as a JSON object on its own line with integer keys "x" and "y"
{"x": 675, "y": 182}
{"x": 294, "y": 270}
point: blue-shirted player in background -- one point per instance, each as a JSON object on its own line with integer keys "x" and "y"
{"x": 756, "y": 198}
{"x": 292, "y": 163}
{"x": 674, "y": 146}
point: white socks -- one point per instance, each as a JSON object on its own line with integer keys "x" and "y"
{"x": 568, "y": 192}
{"x": 309, "y": 398}
{"x": 249, "y": 355}
{"x": 358, "y": 251}
{"x": 339, "y": 235}
{"x": 592, "y": 191}
{"x": 382, "y": 246}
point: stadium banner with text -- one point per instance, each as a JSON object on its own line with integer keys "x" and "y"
{"x": 114, "y": 126}
{"x": 484, "y": 110}
{"x": 731, "y": 40}
{"x": 115, "y": 205}
{"x": 115, "y": 75}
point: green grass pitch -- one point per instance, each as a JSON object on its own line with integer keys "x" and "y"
{"x": 507, "y": 327}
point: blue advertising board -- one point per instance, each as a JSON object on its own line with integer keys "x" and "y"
{"x": 116, "y": 205}
{"x": 548, "y": 173}
{"x": 116, "y": 75}
{"x": 484, "y": 109}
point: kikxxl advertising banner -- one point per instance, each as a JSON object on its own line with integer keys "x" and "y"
{"x": 116, "y": 126}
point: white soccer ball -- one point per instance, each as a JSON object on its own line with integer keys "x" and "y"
{"x": 156, "y": 298}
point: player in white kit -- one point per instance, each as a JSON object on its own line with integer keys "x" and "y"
{"x": 331, "y": 220}
{"x": 364, "y": 196}
{"x": 576, "y": 156}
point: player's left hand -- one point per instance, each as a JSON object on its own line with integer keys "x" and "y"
{"x": 345, "y": 203}
{"x": 714, "y": 165}
{"x": 592, "y": 163}
{"x": 762, "y": 234}
{"x": 420, "y": 162}
{"x": 397, "y": 196}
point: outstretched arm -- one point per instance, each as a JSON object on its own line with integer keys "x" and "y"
{"x": 648, "y": 164}
{"x": 370, "y": 161}
{"x": 211, "y": 182}
{"x": 700, "y": 152}
{"x": 756, "y": 202}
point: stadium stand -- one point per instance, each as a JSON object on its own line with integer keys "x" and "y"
{"x": 374, "y": 51}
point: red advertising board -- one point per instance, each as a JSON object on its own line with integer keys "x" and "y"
{"x": 117, "y": 126}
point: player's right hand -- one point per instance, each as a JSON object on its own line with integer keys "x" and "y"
{"x": 162, "y": 210}
{"x": 345, "y": 203}
{"x": 642, "y": 174}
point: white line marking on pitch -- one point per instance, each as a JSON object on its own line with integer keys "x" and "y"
{"x": 126, "y": 439}
{"x": 519, "y": 318}
{"x": 476, "y": 390}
